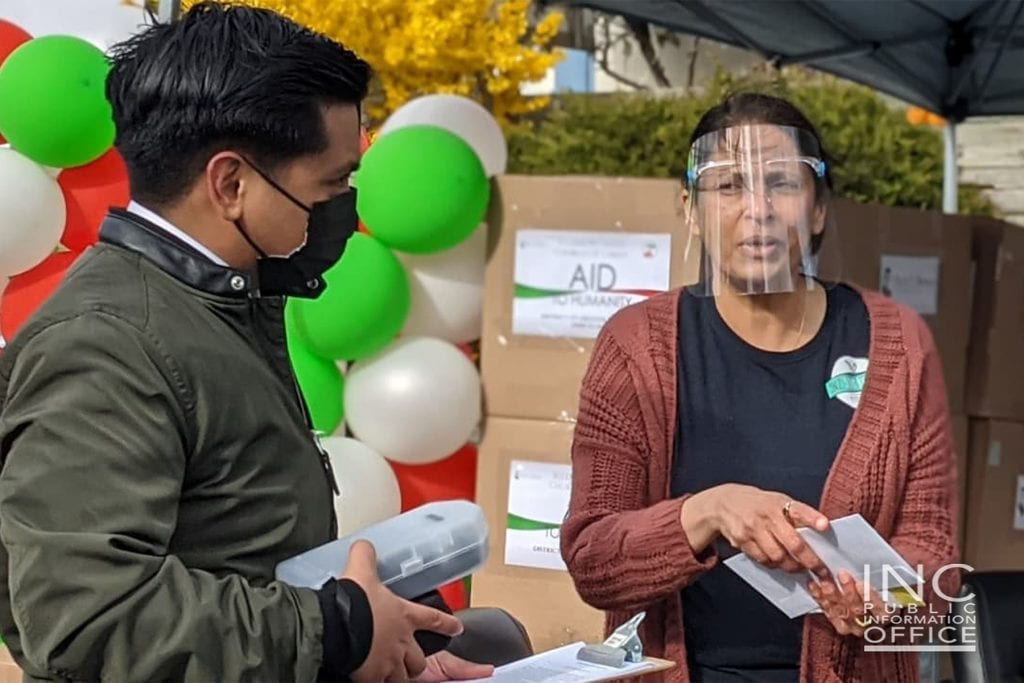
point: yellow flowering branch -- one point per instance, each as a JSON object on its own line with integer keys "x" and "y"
{"x": 483, "y": 49}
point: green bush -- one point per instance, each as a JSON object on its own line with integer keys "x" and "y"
{"x": 877, "y": 155}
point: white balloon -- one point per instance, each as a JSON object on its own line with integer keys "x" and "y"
{"x": 459, "y": 115}
{"x": 447, "y": 291}
{"x": 32, "y": 213}
{"x": 415, "y": 402}
{"x": 369, "y": 488}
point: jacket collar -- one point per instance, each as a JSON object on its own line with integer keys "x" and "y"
{"x": 177, "y": 258}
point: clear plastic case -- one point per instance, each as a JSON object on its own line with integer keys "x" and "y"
{"x": 417, "y": 551}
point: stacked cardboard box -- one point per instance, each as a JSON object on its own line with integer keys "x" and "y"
{"x": 994, "y": 532}
{"x": 552, "y": 238}
{"x": 994, "y": 523}
{"x": 531, "y": 361}
{"x": 542, "y": 596}
{"x": 921, "y": 259}
{"x": 996, "y": 386}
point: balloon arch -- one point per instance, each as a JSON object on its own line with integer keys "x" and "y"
{"x": 384, "y": 358}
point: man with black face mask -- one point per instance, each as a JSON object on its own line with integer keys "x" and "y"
{"x": 158, "y": 460}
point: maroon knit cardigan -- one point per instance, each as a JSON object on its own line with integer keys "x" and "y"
{"x": 623, "y": 540}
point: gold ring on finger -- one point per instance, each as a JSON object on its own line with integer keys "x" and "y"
{"x": 787, "y": 512}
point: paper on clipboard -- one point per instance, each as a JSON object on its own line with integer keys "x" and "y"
{"x": 562, "y": 666}
{"x": 850, "y": 544}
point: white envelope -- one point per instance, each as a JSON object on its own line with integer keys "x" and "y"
{"x": 851, "y": 544}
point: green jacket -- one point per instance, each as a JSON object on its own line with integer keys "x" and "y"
{"x": 157, "y": 465}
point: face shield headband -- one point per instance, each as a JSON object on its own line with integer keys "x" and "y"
{"x": 756, "y": 210}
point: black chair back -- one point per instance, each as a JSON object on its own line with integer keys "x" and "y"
{"x": 490, "y": 636}
{"x": 997, "y": 613}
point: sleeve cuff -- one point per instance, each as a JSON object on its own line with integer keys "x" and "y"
{"x": 348, "y": 628}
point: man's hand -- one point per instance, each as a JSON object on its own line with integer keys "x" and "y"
{"x": 444, "y": 666}
{"x": 394, "y": 653}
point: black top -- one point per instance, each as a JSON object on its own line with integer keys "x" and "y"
{"x": 770, "y": 420}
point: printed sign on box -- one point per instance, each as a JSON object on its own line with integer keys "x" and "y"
{"x": 538, "y": 500}
{"x": 912, "y": 281}
{"x": 568, "y": 283}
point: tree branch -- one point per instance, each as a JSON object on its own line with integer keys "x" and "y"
{"x": 641, "y": 30}
{"x": 602, "y": 56}
{"x": 691, "y": 72}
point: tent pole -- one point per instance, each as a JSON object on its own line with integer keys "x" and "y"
{"x": 168, "y": 10}
{"x": 950, "y": 175}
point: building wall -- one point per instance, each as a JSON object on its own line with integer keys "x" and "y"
{"x": 991, "y": 154}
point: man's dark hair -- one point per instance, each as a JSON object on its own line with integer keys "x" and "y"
{"x": 224, "y": 77}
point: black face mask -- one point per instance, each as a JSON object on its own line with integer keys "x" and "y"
{"x": 331, "y": 224}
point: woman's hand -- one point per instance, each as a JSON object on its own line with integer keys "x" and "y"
{"x": 760, "y": 523}
{"x": 846, "y": 606}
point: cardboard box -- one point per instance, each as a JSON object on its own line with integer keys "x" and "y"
{"x": 535, "y": 376}
{"x": 995, "y": 387}
{"x": 922, "y": 259}
{"x": 544, "y": 600}
{"x": 994, "y": 534}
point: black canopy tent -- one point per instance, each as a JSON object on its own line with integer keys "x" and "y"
{"x": 960, "y": 58}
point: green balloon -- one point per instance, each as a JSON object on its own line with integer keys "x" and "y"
{"x": 321, "y": 382}
{"x": 363, "y": 307}
{"x": 53, "y": 106}
{"x": 422, "y": 189}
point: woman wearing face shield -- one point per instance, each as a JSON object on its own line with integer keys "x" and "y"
{"x": 765, "y": 397}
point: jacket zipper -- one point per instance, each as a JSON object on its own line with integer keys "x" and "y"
{"x": 325, "y": 460}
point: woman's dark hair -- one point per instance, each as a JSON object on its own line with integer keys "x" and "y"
{"x": 754, "y": 108}
{"x": 224, "y": 76}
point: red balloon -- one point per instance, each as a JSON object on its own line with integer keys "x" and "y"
{"x": 11, "y": 37}
{"x": 26, "y": 292}
{"x": 89, "y": 191}
{"x": 454, "y": 595}
{"x": 453, "y": 478}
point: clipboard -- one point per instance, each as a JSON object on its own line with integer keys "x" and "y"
{"x": 621, "y": 648}
{"x": 657, "y": 666}
{"x": 618, "y": 658}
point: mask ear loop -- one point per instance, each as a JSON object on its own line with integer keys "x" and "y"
{"x": 238, "y": 223}
{"x": 273, "y": 183}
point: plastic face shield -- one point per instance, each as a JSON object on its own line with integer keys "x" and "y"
{"x": 757, "y": 212}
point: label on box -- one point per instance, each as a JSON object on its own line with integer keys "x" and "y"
{"x": 538, "y": 501}
{"x": 995, "y": 454}
{"x": 568, "y": 283}
{"x": 912, "y": 280}
{"x": 1018, "y": 508}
